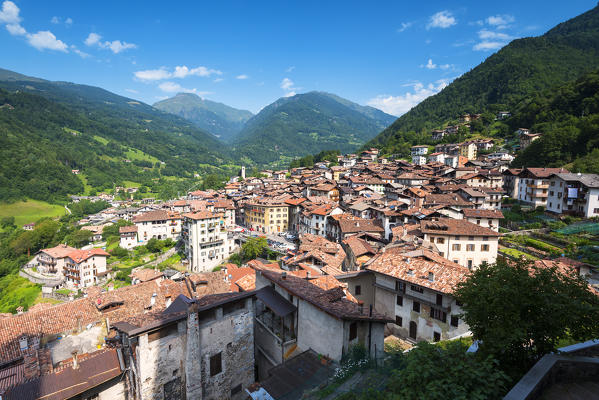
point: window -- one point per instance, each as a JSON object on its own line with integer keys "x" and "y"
{"x": 456, "y": 247}
{"x": 438, "y": 314}
{"x": 454, "y": 320}
{"x": 353, "y": 331}
{"x": 398, "y": 320}
{"x": 485, "y": 238}
{"x": 358, "y": 290}
{"x": 457, "y": 238}
{"x": 400, "y": 286}
{"x": 439, "y": 299}
{"x": 469, "y": 264}
{"x": 416, "y": 306}
{"x": 596, "y": 211}
{"x": 469, "y": 247}
{"x": 215, "y": 364}
{"x": 436, "y": 336}
{"x": 484, "y": 247}
{"x": 440, "y": 240}
{"x": 416, "y": 288}
{"x": 470, "y": 237}
{"x": 399, "y": 301}
{"x": 456, "y": 261}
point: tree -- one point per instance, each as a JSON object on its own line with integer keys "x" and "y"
{"x": 7, "y": 222}
{"x": 81, "y": 238}
{"x": 432, "y": 372}
{"x": 519, "y": 311}
{"x": 253, "y": 248}
{"x": 154, "y": 245}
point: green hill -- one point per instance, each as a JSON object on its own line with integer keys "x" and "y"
{"x": 519, "y": 70}
{"x": 305, "y": 124}
{"x": 568, "y": 117}
{"x": 219, "y": 119}
{"x": 49, "y": 128}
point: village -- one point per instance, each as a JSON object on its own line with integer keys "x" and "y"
{"x": 361, "y": 253}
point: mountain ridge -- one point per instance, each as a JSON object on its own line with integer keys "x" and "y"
{"x": 219, "y": 119}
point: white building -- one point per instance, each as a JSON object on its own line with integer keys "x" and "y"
{"x": 437, "y": 157}
{"x": 486, "y": 218}
{"x": 576, "y": 194}
{"x": 462, "y": 241}
{"x": 415, "y": 289}
{"x": 420, "y": 150}
{"x": 84, "y": 268}
{"x": 128, "y": 237}
{"x": 418, "y": 160}
{"x": 206, "y": 240}
{"x": 159, "y": 224}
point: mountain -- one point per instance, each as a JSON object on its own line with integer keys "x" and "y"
{"x": 306, "y": 124}
{"x": 520, "y": 69}
{"x": 49, "y": 128}
{"x": 568, "y": 117}
{"x": 219, "y": 119}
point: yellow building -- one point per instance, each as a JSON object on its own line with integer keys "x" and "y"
{"x": 468, "y": 150}
{"x": 267, "y": 216}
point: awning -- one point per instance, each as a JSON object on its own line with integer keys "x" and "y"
{"x": 277, "y": 303}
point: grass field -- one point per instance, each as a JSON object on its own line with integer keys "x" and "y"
{"x": 30, "y": 211}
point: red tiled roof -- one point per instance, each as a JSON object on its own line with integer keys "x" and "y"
{"x": 450, "y": 226}
{"x": 82, "y": 255}
{"x": 60, "y": 251}
{"x": 480, "y": 213}
{"x": 157, "y": 215}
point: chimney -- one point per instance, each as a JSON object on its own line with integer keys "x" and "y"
{"x": 284, "y": 275}
{"x": 153, "y": 299}
{"x": 307, "y": 274}
{"x": 75, "y": 361}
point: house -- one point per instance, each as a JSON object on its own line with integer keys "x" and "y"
{"x": 128, "y": 236}
{"x": 483, "y": 217}
{"x": 294, "y": 315}
{"x": 527, "y": 138}
{"x": 533, "y": 186}
{"x": 462, "y": 241}
{"x": 358, "y": 252}
{"x": 267, "y": 215}
{"x": 84, "y": 268}
{"x": 511, "y": 182}
{"x": 96, "y": 231}
{"x": 206, "y": 240}
{"x": 158, "y": 224}
{"x": 316, "y": 255}
{"x": 501, "y": 115}
{"x": 196, "y": 348}
{"x": 52, "y": 260}
{"x": 437, "y": 157}
{"x": 468, "y": 150}
{"x": 343, "y": 225}
{"x": 420, "y": 150}
{"x": 327, "y": 190}
{"x": 438, "y": 134}
{"x": 574, "y": 193}
{"x": 29, "y": 227}
{"x": 415, "y": 289}
{"x": 418, "y": 160}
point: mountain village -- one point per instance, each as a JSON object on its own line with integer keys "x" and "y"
{"x": 364, "y": 252}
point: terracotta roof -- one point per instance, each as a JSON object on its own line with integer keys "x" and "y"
{"x": 357, "y": 225}
{"x": 480, "y": 213}
{"x": 416, "y": 266}
{"x": 359, "y": 246}
{"x": 81, "y": 255}
{"x": 332, "y": 301}
{"x": 60, "y": 251}
{"x": 146, "y": 274}
{"x": 128, "y": 229}
{"x": 447, "y": 199}
{"x": 450, "y": 226}
{"x": 157, "y": 215}
{"x": 202, "y": 215}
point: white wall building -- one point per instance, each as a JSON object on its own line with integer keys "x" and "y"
{"x": 576, "y": 194}
{"x": 159, "y": 224}
{"x": 206, "y": 240}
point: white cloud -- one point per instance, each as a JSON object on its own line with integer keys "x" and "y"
{"x": 218, "y": 80}
{"x": 486, "y": 34}
{"x": 486, "y": 45}
{"x": 10, "y": 13}
{"x": 430, "y": 65}
{"x": 92, "y": 39}
{"x": 79, "y": 52}
{"x": 152, "y": 74}
{"x": 242, "y": 77}
{"x": 116, "y": 46}
{"x": 43, "y": 40}
{"x": 68, "y": 21}
{"x": 500, "y": 21}
{"x": 179, "y": 72}
{"x": 442, "y": 19}
{"x": 404, "y": 26}
{"x": 445, "y": 66}
{"x": 289, "y": 87}
{"x": 290, "y": 69}
{"x": 55, "y": 20}
{"x": 16, "y": 29}
{"x": 399, "y": 105}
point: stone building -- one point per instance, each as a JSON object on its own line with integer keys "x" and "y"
{"x": 195, "y": 349}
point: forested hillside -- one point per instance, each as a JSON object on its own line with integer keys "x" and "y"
{"x": 307, "y": 123}
{"x": 568, "y": 117}
{"x": 216, "y": 118}
{"x": 49, "y": 128}
{"x": 519, "y": 70}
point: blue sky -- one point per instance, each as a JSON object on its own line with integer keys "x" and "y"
{"x": 246, "y": 54}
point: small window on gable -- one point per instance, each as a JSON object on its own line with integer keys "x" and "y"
{"x": 358, "y": 290}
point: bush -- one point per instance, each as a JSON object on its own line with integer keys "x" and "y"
{"x": 154, "y": 245}
{"x": 119, "y": 252}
